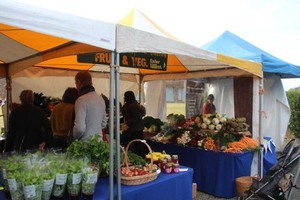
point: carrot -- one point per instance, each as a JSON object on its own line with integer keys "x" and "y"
{"x": 250, "y": 142}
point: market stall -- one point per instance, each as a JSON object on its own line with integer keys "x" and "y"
{"x": 219, "y": 149}
{"x": 63, "y": 38}
{"x": 166, "y": 186}
{"x": 275, "y": 104}
{"x": 214, "y": 172}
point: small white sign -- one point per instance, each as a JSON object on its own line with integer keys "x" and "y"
{"x": 61, "y": 179}
{"x": 48, "y": 185}
{"x": 29, "y": 191}
{"x": 12, "y": 184}
{"x": 91, "y": 178}
{"x": 76, "y": 179}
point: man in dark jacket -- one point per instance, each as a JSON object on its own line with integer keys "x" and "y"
{"x": 28, "y": 126}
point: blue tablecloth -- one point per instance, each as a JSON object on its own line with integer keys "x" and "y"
{"x": 214, "y": 172}
{"x": 269, "y": 154}
{"x": 166, "y": 187}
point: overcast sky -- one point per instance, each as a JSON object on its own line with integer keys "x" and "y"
{"x": 271, "y": 25}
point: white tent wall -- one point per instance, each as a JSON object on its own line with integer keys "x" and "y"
{"x": 55, "y": 85}
{"x": 155, "y": 99}
{"x": 276, "y": 111}
{"x": 223, "y": 91}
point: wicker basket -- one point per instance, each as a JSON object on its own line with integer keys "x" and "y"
{"x": 243, "y": 184}
{"x": 137, "y": 180}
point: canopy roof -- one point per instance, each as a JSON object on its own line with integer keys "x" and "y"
{"x": 31, "y": 36}
{"x": 232, "y": 45}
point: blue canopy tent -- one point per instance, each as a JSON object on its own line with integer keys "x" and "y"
{"x": 232, "y": 45}
{"x": 275, "y": 111}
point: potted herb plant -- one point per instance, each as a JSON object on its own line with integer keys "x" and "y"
{"x": 90, "y": 174}
{"x": 61, "y": 174}
{"x": 74, "y": 178}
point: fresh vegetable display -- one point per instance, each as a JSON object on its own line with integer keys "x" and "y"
{"x": 97, "y": 151}
{"x": 136, "y": 170}
{"x": 157, "y": 156}
{"x": 152, "y": 125}
{"x": 36, "y": 175}
{"x": 211, "y": 131}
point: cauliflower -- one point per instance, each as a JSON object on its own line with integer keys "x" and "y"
{"x": 223, "y": 120}
{"x": 219, "y": 127}
{"x": 204, "y": 126}
{"x": 206, "y": 121}
{"x": 211, "y": 127}
{"x": 215, "y": 121}
{"x": 219, "y": 116}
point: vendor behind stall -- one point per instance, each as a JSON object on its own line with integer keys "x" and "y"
{"x": 209, "y": 107}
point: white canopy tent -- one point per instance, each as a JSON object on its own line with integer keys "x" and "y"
{"x": 43, "y": 44}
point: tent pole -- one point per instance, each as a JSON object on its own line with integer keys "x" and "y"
{"x": 140, "y": 89}
{"x": 260, "y": 157}
{"x": 8, "y": 100}
{"x": 117, "y": 111}
{"x": 111, "y": 128}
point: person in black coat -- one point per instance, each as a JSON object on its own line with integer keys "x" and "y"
{"x": 28, "y": 126}
{"x": 133, "y": 125}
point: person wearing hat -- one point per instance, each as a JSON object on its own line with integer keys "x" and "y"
{"x": 209, "y": 107}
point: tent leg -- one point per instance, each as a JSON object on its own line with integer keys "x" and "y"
{"x": 260, "y": 159}
{"x": 111, "y": 129}
{"x": 117, "y": 106}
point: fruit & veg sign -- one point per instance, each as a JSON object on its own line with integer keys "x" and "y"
{"x": 144, "y": 60}
{"x": 152, "y": 61}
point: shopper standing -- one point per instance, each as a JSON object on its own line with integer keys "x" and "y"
{"x": 90, "y": 109}
{"x": 133, "y": 125}
{"x": 62, "y": 119}
{"x": 28, "y": 126}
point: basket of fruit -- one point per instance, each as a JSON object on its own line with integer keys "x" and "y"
{"x": 136, "y": 175}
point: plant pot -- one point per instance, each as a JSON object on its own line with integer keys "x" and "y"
{"x": 33, "y": 192}
{"x": 89, "y": 181}
{"x": 74, "y": 185}
{"x": 47, "y": 189}
{"x": 59, "y": 187}
{"x": 15, "y": 189}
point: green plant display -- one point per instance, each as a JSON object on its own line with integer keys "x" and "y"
{"x": 293, "y": 96}
{"x": 95, "y": 150}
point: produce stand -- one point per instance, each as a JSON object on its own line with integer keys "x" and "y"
{"x": 166, "y": 186}
{"x": 214, "y": 172}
